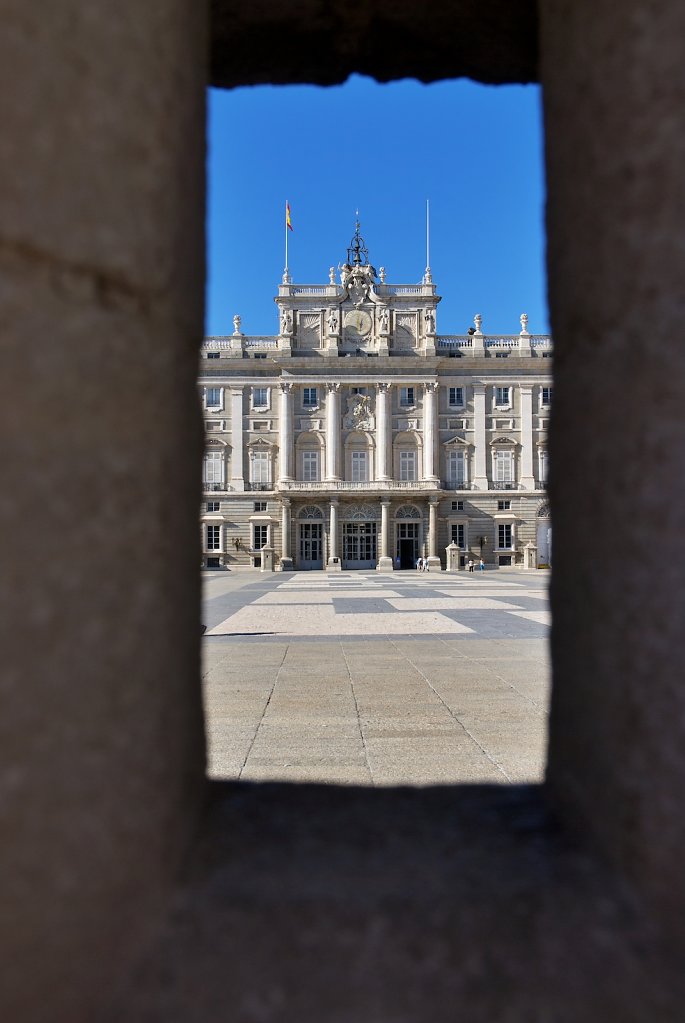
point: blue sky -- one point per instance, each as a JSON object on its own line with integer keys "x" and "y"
{"x": 474, "y": 151}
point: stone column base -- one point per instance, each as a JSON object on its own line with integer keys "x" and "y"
{"x": 385, "y": 565}
{"x": 334, "y": 565}
{"x": 285, "y": 565}
{"x": 434, "y": 564}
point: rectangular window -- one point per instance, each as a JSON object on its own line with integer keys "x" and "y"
{"x": 358, "y": 390}
{"x": 260, "y": 397}
{"x": 359, "y": 467}
{"x": 457, "y": 505}
{"x": 213, "y": 469}
{"x": 310, "y": 466}
{"x": 309, "y": 398}
{"x": 502, "y": 396}
{"x": 546, "y": 397}
{"x": 458, "y": 534}
{"x": 213, "y": 397}
{"x": 504, "y": 536}
{"x": 456, "y": 468}
{"x": 504, "y": 466}
{"x": 543, "y": 462}
{"x": 260, "y": 506}
{"x": 259, "y": 355}
{"x": 407, "y": 465}
{"x": 213, "y": 506}
{"x": 260, "y": 535}
{"x": 503, "y": 505}
{"x": 260, "y": 465}
{"x": 501, "y": 355}
{"x": 407, "y": 396}
{"x": 212, "y": 355}
{"x": 213, "y": 538}
{"x": 456, "y": 395}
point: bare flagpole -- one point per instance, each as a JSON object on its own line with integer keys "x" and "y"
{"x": 285, "y": 221}
{"x": 427, "y": 275}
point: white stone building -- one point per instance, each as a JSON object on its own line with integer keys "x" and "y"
{"x": 360, "y": 438}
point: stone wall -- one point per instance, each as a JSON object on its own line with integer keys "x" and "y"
{"x": 306, "y": 903}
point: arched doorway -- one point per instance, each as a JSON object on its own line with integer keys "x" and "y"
{"x": 359, "y": 537}
{"x": 310, "y": 537}
{"x": 407, "y": 535}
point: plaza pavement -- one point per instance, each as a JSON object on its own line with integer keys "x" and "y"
{"x": 369, "y": 679}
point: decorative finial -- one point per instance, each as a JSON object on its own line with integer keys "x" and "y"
{"x": 382, "y": 274}
{"x": 524, "y": 323}
{"x": 478, "y": 320}
{"x": 236, "y": 324}
{"x": 331, "y": 275}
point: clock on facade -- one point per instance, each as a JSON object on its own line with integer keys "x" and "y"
{"x": 357, "y": 323}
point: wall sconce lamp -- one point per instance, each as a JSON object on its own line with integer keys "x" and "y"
{"x": 482, "y": 540}
{"x": 237, "y": 543}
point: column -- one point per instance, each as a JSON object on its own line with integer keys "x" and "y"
{"x": 332, "y": 430}
{"x": 285, "y": 434}
{"x": 237, "y": 470}
{"x": 429, "y": 430}
{"x": 385, "y": 562}
{"x": 480, "y": 477}
{"x": 382, "y": 399}
{"x": 286, "y": 559}
{"x": 334, "y": 563}
{"x": 527, "y": 480}
{"x": 433, "y": 559}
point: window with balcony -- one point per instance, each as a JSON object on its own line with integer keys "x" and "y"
{"x": 213, "y": 538}
{"x": 407, "y": 465}
{"x": 310, "y": 466}
{"x": 503, "y": 468}
{"x": 309, "y": 397}
{"x": 456, "y": 468}
{"x": 543, "y": 464}
{"x": 456, "y": 396}
{"x": 213, "y": 470}
{"x": 260, "y": 468}
{"x": 407, "y": 396}
{"x": 504, "y": 536}
{"x": 213, "y": 397}
{"x": 360, "y": 470}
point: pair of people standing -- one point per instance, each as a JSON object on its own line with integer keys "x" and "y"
{"x": 481, "y": 565}
{"x": 422, "y": 565}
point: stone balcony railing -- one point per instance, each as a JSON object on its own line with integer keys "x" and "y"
{"x": 365, "y": 486}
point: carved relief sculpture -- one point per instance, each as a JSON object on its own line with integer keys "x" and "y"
{"x": 359, "y": 415}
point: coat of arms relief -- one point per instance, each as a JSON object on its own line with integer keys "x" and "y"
{"x": 359, "y": 415}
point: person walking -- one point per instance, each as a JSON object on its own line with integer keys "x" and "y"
{"x": 470, "y": 564}
{"x": 481, "y": 565}
{"x": 419, "y": 564}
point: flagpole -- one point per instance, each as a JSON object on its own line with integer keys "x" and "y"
{"x": 285, "y": 221}
{"x": 427, "y": 276}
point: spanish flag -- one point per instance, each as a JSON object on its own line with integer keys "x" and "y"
{"x": 287, "y": 215}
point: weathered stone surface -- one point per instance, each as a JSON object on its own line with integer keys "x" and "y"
{"x": 324, "y": 41}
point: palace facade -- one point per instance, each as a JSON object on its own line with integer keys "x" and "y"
{"x": 359, "y": 437}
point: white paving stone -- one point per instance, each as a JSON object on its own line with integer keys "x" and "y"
{"x": 541, "y": 617}
{"x": 321, "y": 620}
{"x": 316, "y": 597}
{"x": 452, "y": 604}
